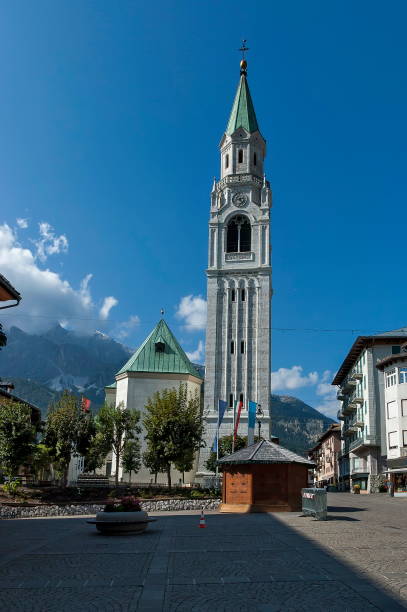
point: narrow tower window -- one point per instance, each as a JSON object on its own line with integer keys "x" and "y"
{"x": 232, "y": 346}
{"x": 242, "y": 346}
{"x": 241, "y": 398}
{"x": 227, "y": 161}
{"x": 255, "y": 159}
{"x": 240, "y": 156}
{"x": 230, "y": 400}
{"x": 245, "y": 236}
{"x": 243, "y": 294}
{"x": 233, "y": 295}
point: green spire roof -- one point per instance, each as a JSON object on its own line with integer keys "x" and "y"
{"x": 242, "y": 114}
{"x": 151, "y": 358}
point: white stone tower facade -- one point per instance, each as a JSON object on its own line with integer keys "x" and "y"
{"x": 238, "y": 334}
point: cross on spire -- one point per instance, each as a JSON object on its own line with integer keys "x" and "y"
{"x": 243, "y": 63}
{"x": 243, "y": 48}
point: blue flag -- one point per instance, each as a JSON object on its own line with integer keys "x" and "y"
{"x": 222, "y": 405}
{"x": 251, "y": 422}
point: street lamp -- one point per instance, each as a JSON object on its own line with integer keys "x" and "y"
{"x": 259, "y": 415}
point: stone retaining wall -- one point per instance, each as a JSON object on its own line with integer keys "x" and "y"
{"x": 165, "y": 505}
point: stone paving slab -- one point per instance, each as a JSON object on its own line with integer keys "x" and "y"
{"x": 102, "y": 599}
{"x": 284, "y": 596}
{"x": 255, "y": 562}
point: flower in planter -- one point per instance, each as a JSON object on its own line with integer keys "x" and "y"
{"x": 126, "y": 504}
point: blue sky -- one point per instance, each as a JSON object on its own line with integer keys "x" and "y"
{"x": 111, "y": 115}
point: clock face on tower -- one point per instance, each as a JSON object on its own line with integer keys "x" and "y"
{"x": 240, "y": 200}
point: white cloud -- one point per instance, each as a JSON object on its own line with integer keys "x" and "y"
{"x": 292, "y": 378}
{"x": 197, "y": 355}
{"x": 192, "y": 310}
{"x": 48, "y": 243}
{"x": 22, "y": 223}
{"x": 327, "y": 392}
{"x": 124, "y": 328}
{"x": 107, "y": 305}
{"x": 46, "y": 297}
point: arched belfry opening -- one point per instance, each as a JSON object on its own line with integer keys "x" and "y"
{"x": 239, "y": 235}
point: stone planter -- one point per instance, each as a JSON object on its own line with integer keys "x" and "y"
{"x": 110, "y": 523}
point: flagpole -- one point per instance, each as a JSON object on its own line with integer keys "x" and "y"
{"x": 234, "y": 422}
{"x": 217, "y": 442}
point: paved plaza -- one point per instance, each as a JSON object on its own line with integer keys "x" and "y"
{"x": 357, "y": 560}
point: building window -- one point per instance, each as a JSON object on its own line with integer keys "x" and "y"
{"x": 403, "y": 407}
{"x": 391, "y": 410}
{"x": 402, "y": 375}
{"x": 243, "y": 294}
{"x": 230, "y": 400}
{"x": 395, "y": 350}
{"x": 242, "y": 346}
{"x": 364, "y": 382}
{"x": 393, "y": 439}
{"x": 232, "y": 347}
{"x": 240, "y": 156}
{"x": 241, "y": 398}
{"x": 390, "y": 378}
{"x": 404, "y": 437}
{"x": 254, "y": 159}
{"x": 233, "y": 295}
{"x": 239, "y": 232}
{"x": 364, "y": 357}
{"x": 227, "y": 160}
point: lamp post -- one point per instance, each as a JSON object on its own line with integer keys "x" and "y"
{"x": 259, "y": 415}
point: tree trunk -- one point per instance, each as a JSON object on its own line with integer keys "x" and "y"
{"x": 183, "y": 477}
{"x": 65, "y": 476}
{"x": 155, "y": 478}
{"x": 116, "y": 476}
{"x": 169, "y": 476}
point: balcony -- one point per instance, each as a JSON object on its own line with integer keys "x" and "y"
{"x": 358, "y": 423}
{"x": 356, "y": 398}
{"x": 340, "y": 416}
{"x": 356, "y": 376}
{"x": 349, "y": 385}
{"x": 341, "y": 395}
{"x": 365, "y": 441}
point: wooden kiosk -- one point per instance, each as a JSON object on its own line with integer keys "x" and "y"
{"x": 263, "y": 477}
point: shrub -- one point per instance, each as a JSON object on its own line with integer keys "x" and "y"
{"x": 11, "y": 487}
{"x": 126, "y": 504}
{"x": 197, "y": 494}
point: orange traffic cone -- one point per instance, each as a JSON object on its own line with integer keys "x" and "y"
{"x": 202, "y": 523}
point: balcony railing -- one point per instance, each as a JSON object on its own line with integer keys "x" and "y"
{"x": 340, "y": 416}
{"x": 356, "y": 375}
{"x": 365, "y": 441}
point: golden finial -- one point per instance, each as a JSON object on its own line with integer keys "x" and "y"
{"x": 243, "y": 63}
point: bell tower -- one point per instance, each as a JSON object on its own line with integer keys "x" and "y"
{"x": 238, "y": 333}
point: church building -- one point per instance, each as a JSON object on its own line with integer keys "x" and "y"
{"x": 238, "y": 333}
{"x": 158, "y": 364}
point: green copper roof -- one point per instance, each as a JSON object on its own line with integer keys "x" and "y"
{"x": 242, "y": 114}
{"x": 112, "y": 386}
{"x": 172, "y": 360}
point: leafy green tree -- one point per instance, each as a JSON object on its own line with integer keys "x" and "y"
{"x": 131, "y": 459}
{"x": 225, "y": 448}
{"x": 185, "y": 464}
{"x": 154, "y": 463}
{"x": 117, "y": 425}
{"x": 41, "y": 461}
{"x": 68, "y": 431}
{"x": 97, "y": 451}
{"x": 17, "y": 435}
{"x": 173, "y": 427}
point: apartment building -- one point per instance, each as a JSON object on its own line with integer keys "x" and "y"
{"x": 394, "y": 368}
{"x": 363, "y": 455}
{"x": 325, "y": 456}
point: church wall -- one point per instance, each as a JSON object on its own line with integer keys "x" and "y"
{"x": 137, "y": 388}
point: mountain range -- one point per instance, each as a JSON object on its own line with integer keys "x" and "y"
{"x": 41, "y": 366}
